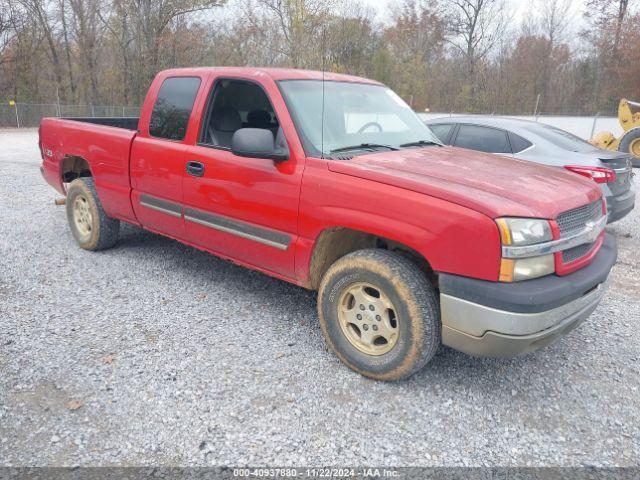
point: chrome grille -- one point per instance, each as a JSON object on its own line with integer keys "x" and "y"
{"x": 576, "y": 252}
{"x": 574, "y": 221}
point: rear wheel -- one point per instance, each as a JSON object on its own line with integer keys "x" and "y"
{"x": 379, "y": 314}
{"x": 630, "y": 143}
{"x": 90, "y": 225}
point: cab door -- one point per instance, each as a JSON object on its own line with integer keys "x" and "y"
{"x": 239, "y": 207}
{"x": 158, "y": 155}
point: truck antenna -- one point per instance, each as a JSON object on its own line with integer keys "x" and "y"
{"x": 324, "y": 31}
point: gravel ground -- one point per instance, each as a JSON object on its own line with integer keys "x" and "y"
{"x": 154, "y": 353}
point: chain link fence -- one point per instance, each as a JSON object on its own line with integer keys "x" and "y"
{"x": 30, "y": 114}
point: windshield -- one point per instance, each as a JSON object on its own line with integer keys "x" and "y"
{"x": 561, "y": 138}
{"x": 355, "y": 114}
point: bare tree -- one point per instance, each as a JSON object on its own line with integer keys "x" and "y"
{"x": 118, "y": 24}
{"x": 476, "y": 27}
{"x": 150, "y": 20}
{"x": 609, "y": 15}
{"x": 415, "y": 41}
{"x": 555, "y": 19}
{"x": 301, "y": 24}
{"x": 440, "y": 54}
{"x": 88, "y": 31}
{"x": 41, "y": 12}
{"x": 67, "y": 46}
{"x": 6, "y": 27}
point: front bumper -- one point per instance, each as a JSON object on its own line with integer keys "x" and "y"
{"x": 507, "y": 319}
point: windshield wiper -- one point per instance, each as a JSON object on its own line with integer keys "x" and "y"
{"x": 420, "y": 143}
{"x": 362, "y": 146}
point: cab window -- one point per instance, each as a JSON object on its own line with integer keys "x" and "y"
{"x": 172, "y": 109}
{"x": 236, "y": 104}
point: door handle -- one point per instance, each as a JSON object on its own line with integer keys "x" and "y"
{"x": 195, "y": 169}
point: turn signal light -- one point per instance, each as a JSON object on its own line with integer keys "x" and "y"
{"x": 597, "y": 174}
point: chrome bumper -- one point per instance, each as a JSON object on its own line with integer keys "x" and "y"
{"x": 484, "y": 331}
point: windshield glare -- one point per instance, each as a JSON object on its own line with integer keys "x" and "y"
{"x": 354, "y": 113}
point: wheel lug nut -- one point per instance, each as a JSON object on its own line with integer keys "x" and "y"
{"x": 366, "y": 327}
{"x": 359, "y": 317}
{"x": 378, "y": 317}
{"x": 375, "y": 328}
{"x": 372, "y": 308}
{"x": 361, "y": 307}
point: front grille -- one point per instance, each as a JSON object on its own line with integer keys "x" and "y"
{"x": 576, "y": 252}
{"x": 574, "y": 221}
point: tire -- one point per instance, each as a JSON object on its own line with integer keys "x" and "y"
{"x": 631, "y": 137}
{"x": 90, "y": 226}
{"x": 414, "y": 311}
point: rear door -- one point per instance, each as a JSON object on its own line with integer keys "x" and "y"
{"x": 158, "y": 155}
{"x": 239, "y": 207}
{"x": 483, "y": 139}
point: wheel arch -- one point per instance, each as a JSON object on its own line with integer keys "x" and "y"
{"x": 335, "y": 242}
{"x": 74, "y": 166}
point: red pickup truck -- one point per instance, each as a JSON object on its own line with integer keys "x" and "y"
{"x": 333, "y": 183}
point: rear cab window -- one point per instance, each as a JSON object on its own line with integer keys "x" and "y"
{"x": 483, "y": 139}
{"x": 172, "y": 109}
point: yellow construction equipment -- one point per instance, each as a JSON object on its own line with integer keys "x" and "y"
{"x": 629, "y": 142}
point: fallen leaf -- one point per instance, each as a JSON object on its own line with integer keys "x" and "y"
{"x": 279, "y": 355}
{"x": 75, "y": 404}
{"x": 107, "y": 359}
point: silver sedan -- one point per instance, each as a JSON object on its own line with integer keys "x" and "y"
{"x": 540, "y": 143}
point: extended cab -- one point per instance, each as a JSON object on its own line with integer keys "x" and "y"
{"x": 333, "y": 183}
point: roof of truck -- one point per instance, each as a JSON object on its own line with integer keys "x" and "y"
{"x": 275, "y": 73}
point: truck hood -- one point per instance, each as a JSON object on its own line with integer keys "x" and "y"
{"x": 491, "y": 184}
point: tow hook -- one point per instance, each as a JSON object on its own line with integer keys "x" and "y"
{"x": 60, "y": 201}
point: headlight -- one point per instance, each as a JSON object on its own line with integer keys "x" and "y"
{"x": 520, "y": 232}
{"x": 524, "y": 231}
{"x": 512, "y": 270}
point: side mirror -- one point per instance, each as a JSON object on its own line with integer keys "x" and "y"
{"x": 259, "y": 143}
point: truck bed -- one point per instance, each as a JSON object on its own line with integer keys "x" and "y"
{"x": 129, "y": 123}
{"x": 103, "y": 146}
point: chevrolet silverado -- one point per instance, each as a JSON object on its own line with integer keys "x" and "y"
{"x": 333, "y": 183}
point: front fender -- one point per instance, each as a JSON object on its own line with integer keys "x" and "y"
{"x": 452, "y": 238}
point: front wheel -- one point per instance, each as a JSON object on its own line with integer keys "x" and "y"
{"x": 379, "y": 314}
{"x": 90, "y": 225}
